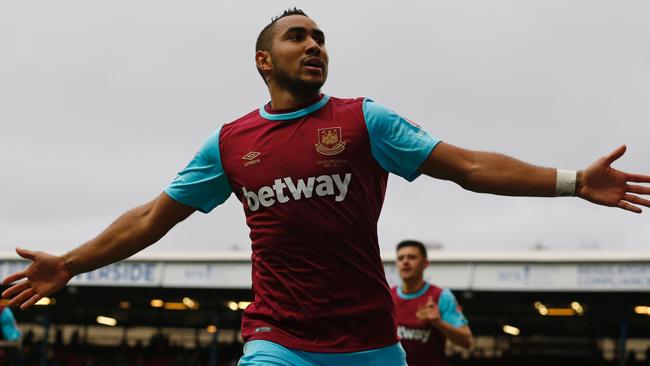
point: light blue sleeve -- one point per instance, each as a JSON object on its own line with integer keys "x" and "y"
{"x": 450, "y": 310}
{"x": 399, "y": 145}
{"x": 203, "y": 183}
{"x": 10, "y": 329}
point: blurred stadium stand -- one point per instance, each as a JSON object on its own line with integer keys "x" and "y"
{"x": 526, "y": 308}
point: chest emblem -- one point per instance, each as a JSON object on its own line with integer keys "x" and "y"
{"x": 330, "y": 141}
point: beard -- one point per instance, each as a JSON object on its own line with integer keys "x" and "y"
{"x": 295, "y": 85}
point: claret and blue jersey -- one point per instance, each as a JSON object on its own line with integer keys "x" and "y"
{"x": 312, "y": 184}
{"x": 423, "y": 343}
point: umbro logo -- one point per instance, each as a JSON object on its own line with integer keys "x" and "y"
{"x": 251, "y": 158}
{"x": 251, "y": 155}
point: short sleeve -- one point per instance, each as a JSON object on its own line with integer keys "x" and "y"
{"x": 399, "y": 145}
{"x": 10, "y": 329}
{"x": 450, "y": 311}
{"x": 203, "y": 183}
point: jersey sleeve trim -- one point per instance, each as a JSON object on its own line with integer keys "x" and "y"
{"x": 399, "y": 145}
{"x": 10, "y": 329}
{"x": 203, "y": 183}
{"x": 450, "y": 310}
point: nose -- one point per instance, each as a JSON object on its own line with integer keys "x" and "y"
{"x": 313, "y": 48}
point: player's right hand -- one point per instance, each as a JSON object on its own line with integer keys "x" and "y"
{"x": 45, "y": 275}
{"x": 429, "y": 312}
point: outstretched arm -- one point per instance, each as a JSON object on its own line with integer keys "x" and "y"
{"x": 499, "y": 174}
{"x": 131, "y": 232}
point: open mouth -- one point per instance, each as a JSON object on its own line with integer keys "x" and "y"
{"x": 314, "y": 63}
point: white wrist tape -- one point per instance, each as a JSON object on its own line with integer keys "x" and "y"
{"x": 565, "y": 184}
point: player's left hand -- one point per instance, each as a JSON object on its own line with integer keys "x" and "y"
{"x": 429, "y": 312}
{"x": 604, "y": 185}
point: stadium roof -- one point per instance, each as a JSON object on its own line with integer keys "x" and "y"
{"x": 470, "y": 270}
{"x": 496, "y": 256}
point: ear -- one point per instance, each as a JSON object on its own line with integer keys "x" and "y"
{"x": 264, "y": 62}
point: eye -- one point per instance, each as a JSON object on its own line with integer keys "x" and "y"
{"x": 295, "y": 36}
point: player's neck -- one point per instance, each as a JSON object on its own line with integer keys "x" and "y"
{"x": 412, "y": 285}
{"x": 282, "y": 99}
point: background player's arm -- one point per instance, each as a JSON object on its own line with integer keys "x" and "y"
{"x": 499, "y": 174}
{"x": 460, "y": 336}
{"x": 11, "y": 335}
{"x": 442, "y": 318}
{"x": 10, "y": 344}
{"x": 131, "y": 232}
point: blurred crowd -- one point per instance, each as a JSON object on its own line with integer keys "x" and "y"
{"x": 160, "y": 352}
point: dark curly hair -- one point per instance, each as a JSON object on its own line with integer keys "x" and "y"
{"x": 265, "y": 38}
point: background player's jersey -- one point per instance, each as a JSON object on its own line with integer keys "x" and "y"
{"x": 423, "y": 343}
{"x": 312, "y": 183}
{"x": 8, "y": 328}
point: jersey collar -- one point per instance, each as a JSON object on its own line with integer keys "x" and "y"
{"x": 414, "y": 295}
{"x": 295, "y": 114}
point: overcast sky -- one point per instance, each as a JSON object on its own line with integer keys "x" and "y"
{"x": 102, "y": 102}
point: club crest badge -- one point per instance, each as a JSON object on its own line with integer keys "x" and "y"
{"x": 330, "y": 141}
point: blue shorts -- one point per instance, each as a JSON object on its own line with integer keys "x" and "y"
{"x": 266, "y": 353}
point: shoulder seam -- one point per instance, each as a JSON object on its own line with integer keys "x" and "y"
{"x": 242, "y": 118}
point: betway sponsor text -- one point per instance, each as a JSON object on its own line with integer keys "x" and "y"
{"x": 324, "y": 185}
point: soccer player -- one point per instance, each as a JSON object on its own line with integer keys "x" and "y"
{"x": 10, "y": 337}
{"x": 427, "y": 315}
{"x": 311, "y": 172}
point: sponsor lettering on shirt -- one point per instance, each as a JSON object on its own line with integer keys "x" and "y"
{"x": 411, "y": 334}
{"x": 285, "y": 189}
